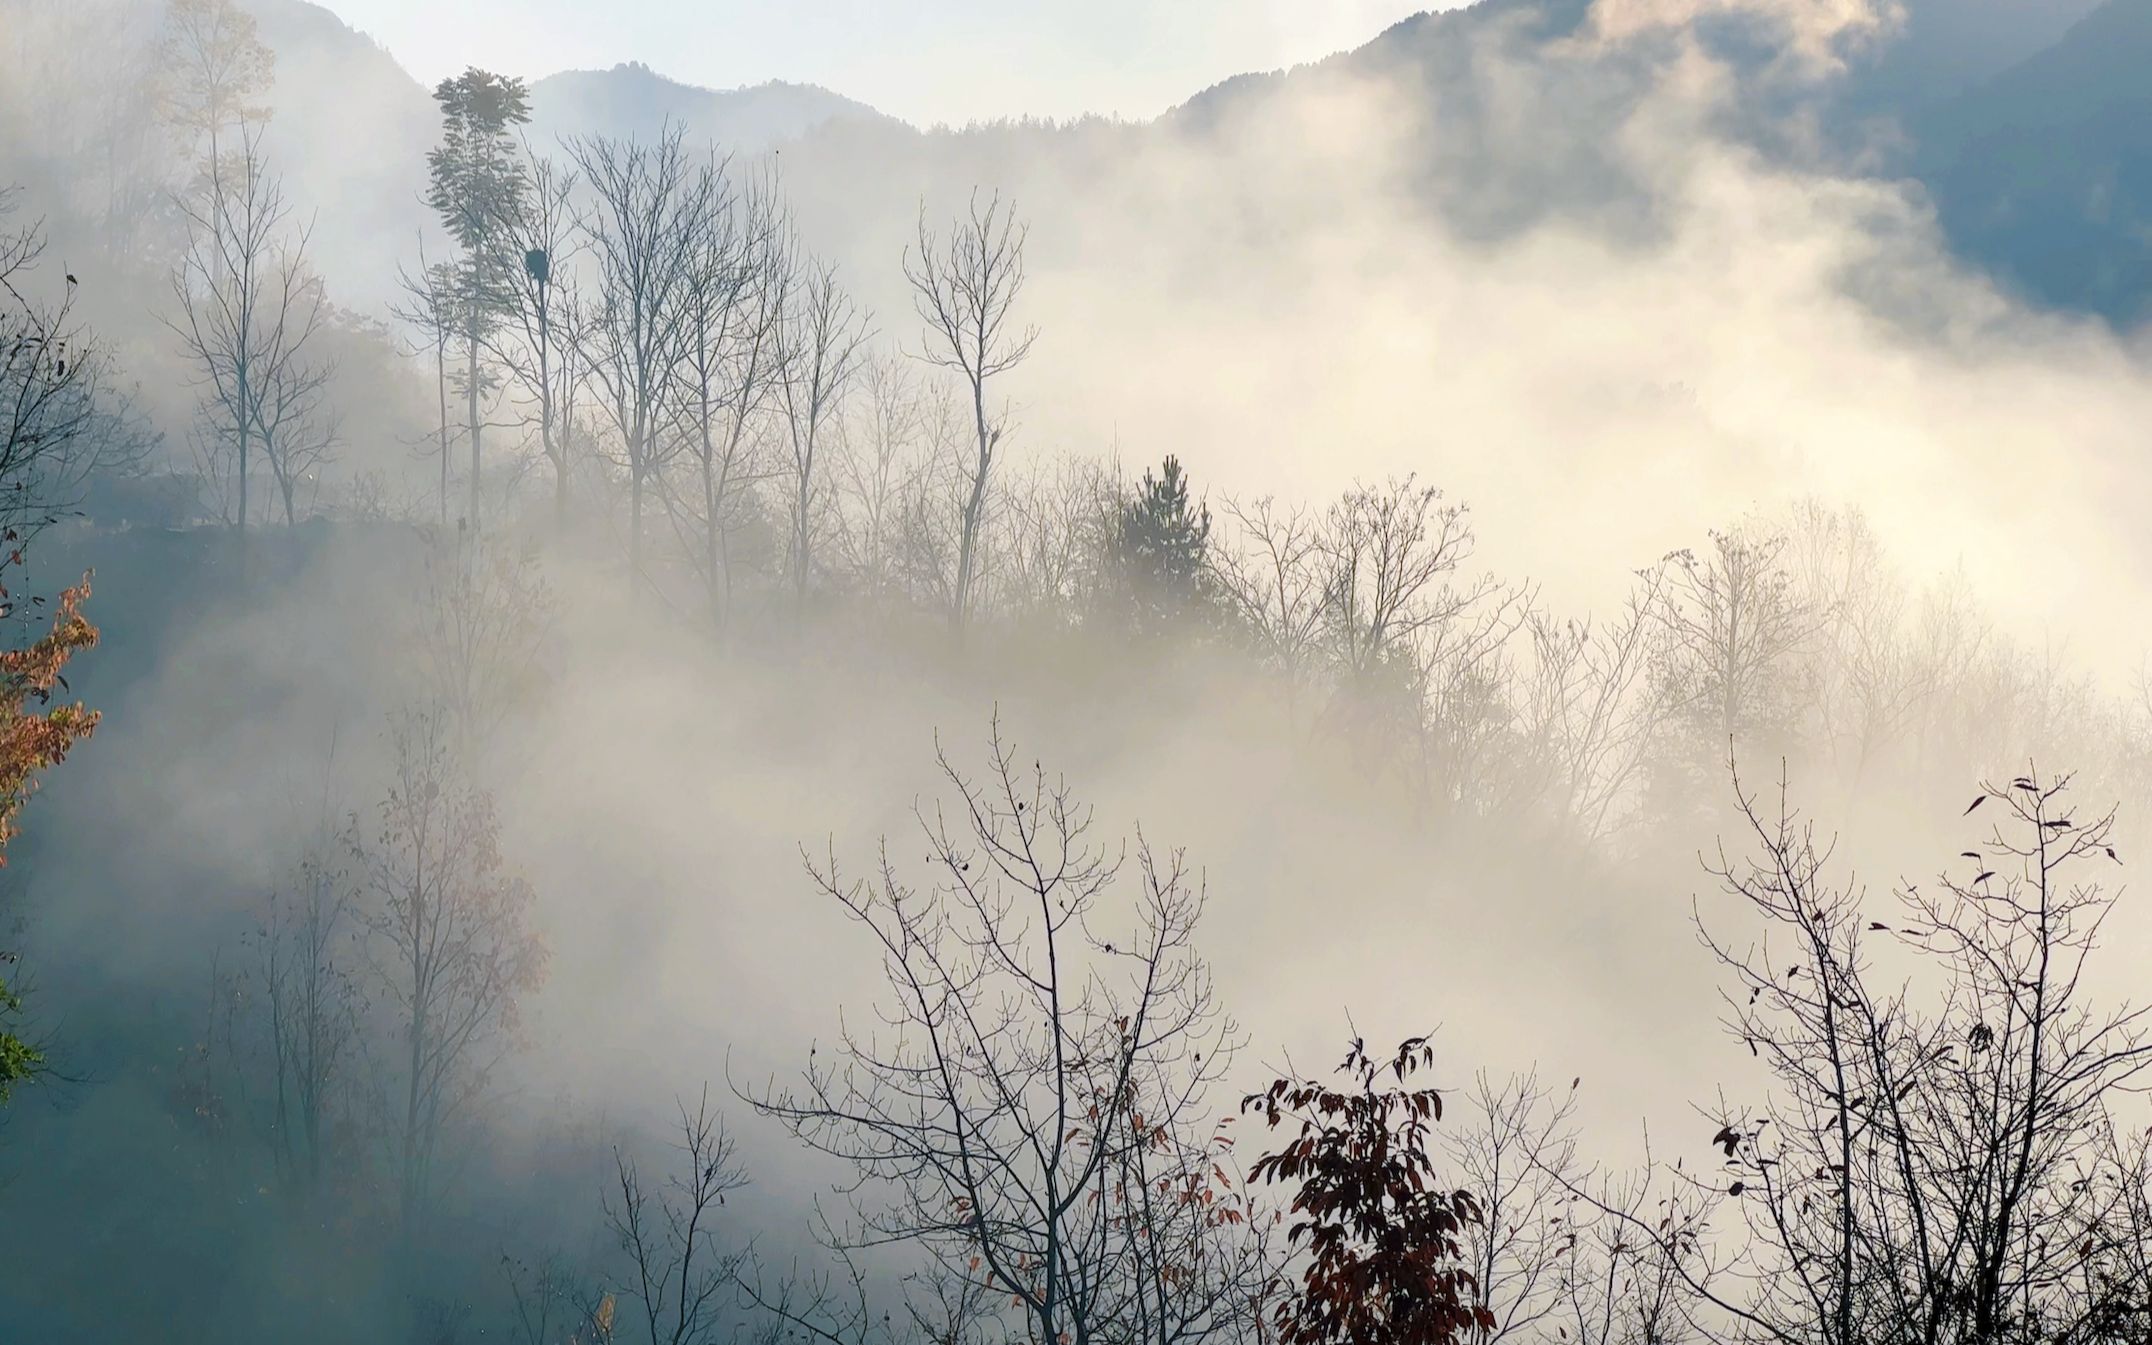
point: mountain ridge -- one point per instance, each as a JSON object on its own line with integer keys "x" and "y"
{"x": 2019, "y": 119}
{"x": 2043, "y": 173}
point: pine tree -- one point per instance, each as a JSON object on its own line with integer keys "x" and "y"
{"x": 1158, "y": 556}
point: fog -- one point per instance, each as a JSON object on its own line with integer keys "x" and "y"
{"x": 1619, "y": 285}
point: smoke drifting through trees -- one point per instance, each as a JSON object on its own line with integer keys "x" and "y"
{"x": 479, "y": 191}
{"x": 248, "y": 311}
{"x": 395, "y": 1104}
{"x": 1040, "y": 1126}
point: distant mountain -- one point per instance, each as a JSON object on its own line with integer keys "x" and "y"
{"x": 2029, "y": 122}
{"x": 2044, "y": 173}
{"x": 352, "y": 127}
{"x": 1437, "y": 46}
{"x": 1934, "y": 50}
{"x": 1941, "y": 48}
{"x": 634, "y": 100}
{"x": 348, "y": 133}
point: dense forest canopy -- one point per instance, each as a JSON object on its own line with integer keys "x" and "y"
{"x": 633, "y": 712}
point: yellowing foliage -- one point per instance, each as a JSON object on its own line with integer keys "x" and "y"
{"x": 32, "y": 741}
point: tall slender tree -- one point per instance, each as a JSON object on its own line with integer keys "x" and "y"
{"x": 478, "y": 187}
{"x": 544, "y": 354}
{"x": 821, "y": 338}
{"x": 738, "y": 282}
{"x": 448, "y": 934}
{"x": 246, "y": 311}
{"x": 964, "y": 287}
{"x": 649, "y": 204}
{"x": 216, "y": 74}
{"x": 428, "y": 306}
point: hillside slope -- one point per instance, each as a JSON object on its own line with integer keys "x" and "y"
{"x": 2044, "y": 173}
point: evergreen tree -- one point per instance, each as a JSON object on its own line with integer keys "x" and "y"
{"x": 1158, "y": 555}
{"x": 478, "y": 189}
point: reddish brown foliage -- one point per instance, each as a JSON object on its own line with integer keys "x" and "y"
{"x": 32, "y": 741}
{"x": 1384, "y": 1257}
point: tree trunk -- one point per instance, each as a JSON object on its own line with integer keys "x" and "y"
{"x": 635, "y": 530}
{"x": 801, "y": 557}
{"x": 560, "y": 494}
{"x": 440, "y": 384}
{"x": 556, "y": 453}
{"x": 968, "y": 543}
{"x": 713, "y": 553}
{"x": 244, "y": 464}
{"x": 470, "y": 395}
{"x": 409, "y": 1203}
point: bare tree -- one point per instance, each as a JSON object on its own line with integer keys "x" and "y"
{"x": 834, "y": 1304}
{"x": 820, "y": 338}
{"x": 1593, "y": 707}
{"x": 1515, "y": 1142}
{"x": 1414, "y": 649}
{"x": 482, "y": 618}
{"x": 450, "y": 946}
{"x": 312, "y": 1002}
{"x": 1552, "y": 1264}
{"x": 428, "y": 306}
{"x": 214, "y": 78}
{"x": 545, "y": 314}
{"x": 678, "y": 1274}
{"x": 1047, "y": 544}
{"x": 300, "y": 432}
{"x": 60, "y": 422}
{"x": 929, "y": 524}
{"x": 739, "y": 289}
{"x": 965, "y": 288}
{"x": 549, "y": 1299}
{"x": 1272, "y": 574}
{"x": 878, "y": 444}
{"x": 247, "y": 309}
{"x": 1733, "y": 624}
{"x": 649, "y": 202}
{"x": 1881, "y": 656}
{"x": 1389, "y": 556}
{"x": 1041, "y": 1078}
{"x": 1936, "y": 1161}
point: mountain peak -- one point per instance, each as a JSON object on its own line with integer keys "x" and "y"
{"x": 633, "y": 99}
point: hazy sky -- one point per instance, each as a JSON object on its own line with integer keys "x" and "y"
{"x": 923, "y": 60}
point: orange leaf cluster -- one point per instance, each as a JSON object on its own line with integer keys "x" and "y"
{"x": 33, "y": 740}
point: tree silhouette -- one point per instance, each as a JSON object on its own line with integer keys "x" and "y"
{"x": 964, "y": 287}
{"x": 1037, "y": 1125}
{"x": 1158, "y": 554}
{"x": 477, "y": 188}
{"x": 30, "y": 744}
{"x": 1385, "y": 1251}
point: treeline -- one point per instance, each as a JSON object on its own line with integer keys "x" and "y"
{"x": 631, "y": 349}
{"x": 1943, "y": 1151}
{"x": 639, "y": 325}
{"x": 1932, "y": 1127}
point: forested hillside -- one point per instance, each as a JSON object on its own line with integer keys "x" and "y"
{"x": 633, "y": 712}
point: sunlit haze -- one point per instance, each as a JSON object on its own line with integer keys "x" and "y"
{"x": 1183, "y": 673}
{"x": 931, "y": 61}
